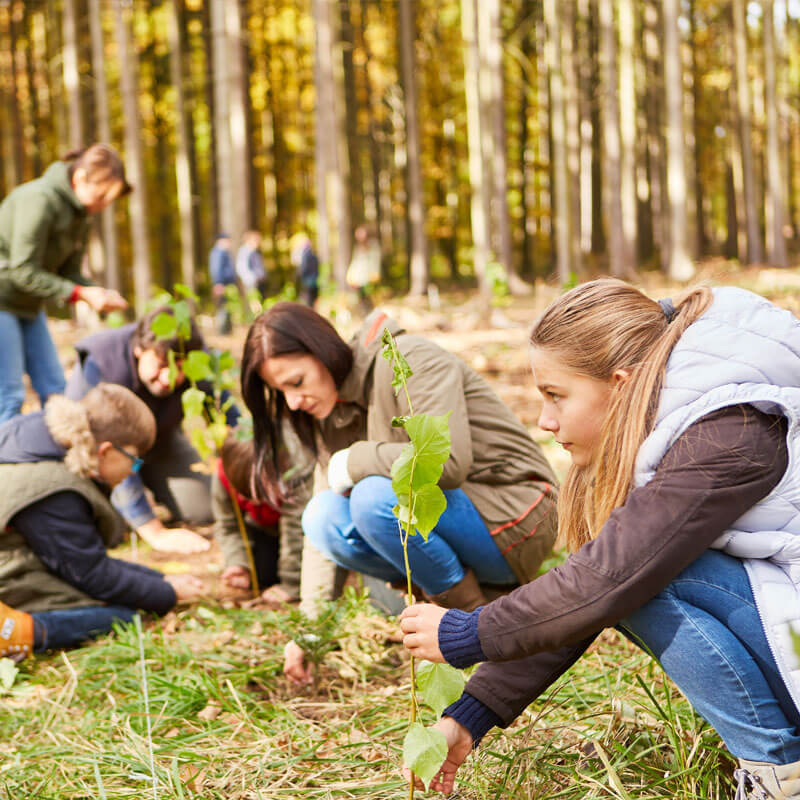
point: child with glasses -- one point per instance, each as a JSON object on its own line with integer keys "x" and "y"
{"x": 58, "y": 585}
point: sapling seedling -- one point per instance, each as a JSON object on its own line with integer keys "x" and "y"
{"x": 317, "y": 635}
{"x": 420, "y": 503}
{"x": 204, "y": 416}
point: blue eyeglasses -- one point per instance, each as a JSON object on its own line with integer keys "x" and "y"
{"x": 137, "y": 462}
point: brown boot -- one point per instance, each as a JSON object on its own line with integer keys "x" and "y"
{"x": 16, "y": 633}
{"x": 466, "y": 594}
{"x": 761, "y": 781}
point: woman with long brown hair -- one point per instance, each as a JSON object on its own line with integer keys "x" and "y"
{"x": 682, "y": 513}
{"x": 339, "y": 399}
{"x": 44, "y": 229}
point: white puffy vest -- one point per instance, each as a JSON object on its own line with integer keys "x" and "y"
{"x": 745, "y": 350}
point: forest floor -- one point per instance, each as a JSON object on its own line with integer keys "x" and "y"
{"x": 224, "y": 723}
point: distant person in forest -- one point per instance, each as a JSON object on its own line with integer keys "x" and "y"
{"x": 58, "y": 585}
{"x": 364, "y": 271}
{"x": 133, "y": 357}
{"x": 306, "y": 263}
{"x": 44, "y": 228}
{"x": 223, "y": 274}
{"x": 275, "y": 531}
{"x": 250, "y": 263}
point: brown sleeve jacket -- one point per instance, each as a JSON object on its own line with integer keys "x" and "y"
{"x": 719, "y": 468}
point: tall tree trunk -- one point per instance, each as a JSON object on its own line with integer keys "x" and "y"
{"x": 183, "y": 175}
{"x": 18, "y": 136}
{"x": 627, "y": 108}
{"x": 71, "y": 75}
{"x": 497, "y": 109}
{"x": 418, "y": 256}
{"x": 560, "y": 190}
{"x": 331, "y": 140}
{"x": 775, "y": 202}
{"x": 239, "y": 111}
{"x": 571, "y": 29}
{"x": 210, "y": 94}
{"x": 594, "y": 67}
{"x": 680, "y": 265}
{"x": 228, "y": 118}
{"x": 652, "y": 34}
{"x": 479, "y": 184}
{"x": 134, "y": 160}
{"x": 355, "y": 196}
{"x": 699, "y": 149}
{"x": 612, "y": 198}
{"x": 109, "y": 229}
{"x": 754, "y": 250}
{"x": 33, "y": 129}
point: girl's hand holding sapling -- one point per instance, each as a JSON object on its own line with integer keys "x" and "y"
{"x": 420, "y": 626}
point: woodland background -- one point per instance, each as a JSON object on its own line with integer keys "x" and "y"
{"x": 483, "y": 141}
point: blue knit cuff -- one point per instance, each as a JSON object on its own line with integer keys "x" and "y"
{"x": 458, "y": 638}
{"x": 474, "y": 716}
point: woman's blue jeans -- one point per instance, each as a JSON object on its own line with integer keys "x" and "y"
{"x": 705, "y": 630}
{"x": 26, "y": 346}
{"x": 70, "y": 626}
{"x": 360, "y": 532}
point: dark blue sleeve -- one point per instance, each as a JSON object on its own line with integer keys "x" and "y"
{"x": 61, "y": 531}
{"x": 85, "y": 375}
{"x": 476, "y": 717}
{"x": 458, "y": 638}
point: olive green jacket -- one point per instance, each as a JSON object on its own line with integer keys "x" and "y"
{"x": 25, "y": 582}
{"x": 43, "y": 235}
{"x": 493, "y": 457}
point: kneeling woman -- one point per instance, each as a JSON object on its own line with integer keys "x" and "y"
{"x": 498, "y": 526}
{"x": 682, "y": 512}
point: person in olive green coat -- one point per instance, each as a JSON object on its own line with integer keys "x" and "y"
{"x": 44, "y": 227}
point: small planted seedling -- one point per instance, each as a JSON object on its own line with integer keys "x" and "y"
{"x": 420, "y": 503}
{"x": 317, "y": 635}
{"x": 204, "y": 414}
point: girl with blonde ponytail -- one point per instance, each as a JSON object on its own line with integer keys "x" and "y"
{"x": 681, "y": 511}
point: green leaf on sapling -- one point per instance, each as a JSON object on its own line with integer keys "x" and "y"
{"x": 194, "y": 402}
{"x": 197, "y": 436}
{"x": 403, "y": 515}
{"x": 224, "y": 360}
{"x": 400, "y": 422}
{"x": 430, "y": 436}
{"x": 218, "y": 433}
{"x": 439, "y": 684}
{"x": 183, "y": 290}
{"x": 429, "y": 505}
{"x": 401, "y": 371}
{"x": 183, "y": 318}
{"x": 197, "y": 366}
{"x": 164, "y": 325}
{"x": 172, "y": 369}
{"x": 8, "y": 673}
{"x": 424, "y": 751}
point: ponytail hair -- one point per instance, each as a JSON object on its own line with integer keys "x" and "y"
{"x": 596, "y": 329}
{"x": 101, "y": 162}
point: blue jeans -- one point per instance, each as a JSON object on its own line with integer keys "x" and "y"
{"x": 705, "y": 630}
{"x": 26, "y": 346}
{"x": 70, "y": 626}
{"x": 360, "y": 532}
